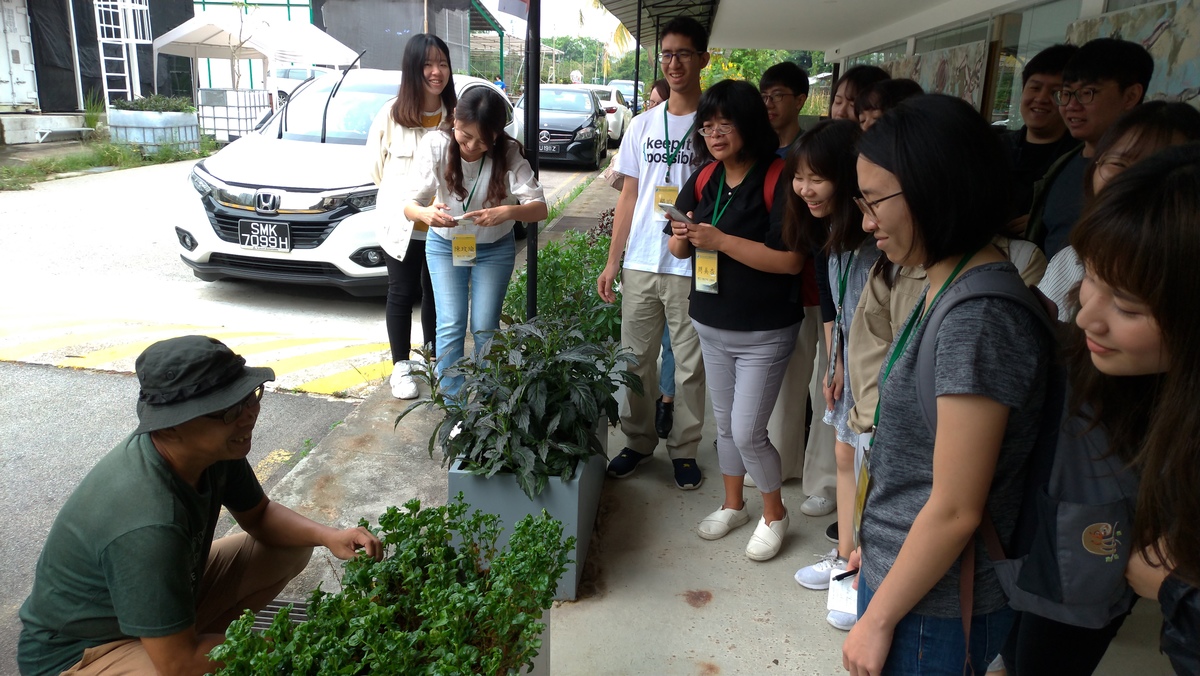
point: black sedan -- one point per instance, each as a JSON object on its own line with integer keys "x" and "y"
{"x": 572, "y": 126}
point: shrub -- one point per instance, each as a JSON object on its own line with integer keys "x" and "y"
{"x": 157, "y": 103}
{"x": 444, "y": 600}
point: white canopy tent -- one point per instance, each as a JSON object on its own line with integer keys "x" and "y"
{"x": 231, "y": 35}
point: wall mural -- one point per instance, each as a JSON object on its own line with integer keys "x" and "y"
{"x": 1169, "y": 31}
{"x": 957, "y": 71}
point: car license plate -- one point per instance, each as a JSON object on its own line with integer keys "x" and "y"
{"x": 264, "y": 235}
{"x": 549, "y": 148}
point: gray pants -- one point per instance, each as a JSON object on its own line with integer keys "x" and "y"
{"x": 745, "y": 370}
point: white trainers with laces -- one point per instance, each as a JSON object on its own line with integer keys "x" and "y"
{"x": 816, "y": 576}
{"x": 403, "y": 385}
{"x": 816, "y": 505}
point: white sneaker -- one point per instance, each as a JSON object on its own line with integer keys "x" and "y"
{"x": 403, "y": 385}
{"x": 816, "y": 505}
{"x": 817, "y": 575}
{"x": 840, "y": 620}
{"x": 718, "y": 524}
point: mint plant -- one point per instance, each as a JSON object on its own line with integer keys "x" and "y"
{"x": 444, "y": 600}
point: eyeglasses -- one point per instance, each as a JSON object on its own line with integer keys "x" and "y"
{"x": 1084, "y": 96}
{"x": 775, "y": 97}
{"x": 868, "y": 207}
{"x": 682, "y": 56}
{"x": 716, "y": 130}
{"x": 1109, "y": 168}
{"x": 234, "y": 412}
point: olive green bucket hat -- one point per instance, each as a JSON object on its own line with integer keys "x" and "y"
{"x": 188, "y": 377}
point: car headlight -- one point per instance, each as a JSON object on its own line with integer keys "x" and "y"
{"x": 585, "y": 134}
{"x": 363, "y": 201}
{"x": 202, "y": 186}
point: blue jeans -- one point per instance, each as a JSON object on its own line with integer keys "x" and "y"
{"x": 666, "y": 373}
{"x": 480, "y": 287}
{"x": 925, "y": 645}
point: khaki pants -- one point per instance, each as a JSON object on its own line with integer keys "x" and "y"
{"x": 239, "y": 568}
{"x": 648, "y": 301}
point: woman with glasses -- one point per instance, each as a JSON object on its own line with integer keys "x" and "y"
{"x": 934, "y": 186}
{"x": 1138, "y": 134}
{"x": 744, "y": 302}
{"x": 424, "y": 103}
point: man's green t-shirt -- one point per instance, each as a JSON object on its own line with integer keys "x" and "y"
{"x": 126, "y": 554}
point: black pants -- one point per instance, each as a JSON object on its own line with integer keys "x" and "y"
{"x": 408, "y": 282}
{"x": 1038, "y": 646}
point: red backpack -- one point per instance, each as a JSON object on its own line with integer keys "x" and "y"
{"x": 773, "y": 172}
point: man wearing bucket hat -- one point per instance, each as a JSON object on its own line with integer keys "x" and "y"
{"x": 130, "y": 580}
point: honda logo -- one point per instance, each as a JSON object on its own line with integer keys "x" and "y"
{"x": 544, "y": 137}
{"x": 266, "y": 202}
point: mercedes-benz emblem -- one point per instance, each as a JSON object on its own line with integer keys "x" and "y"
{"x": 544, "y": 136}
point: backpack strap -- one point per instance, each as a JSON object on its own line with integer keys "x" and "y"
{"x": 984, "y": 284}
{"x": 773, "y": 173}
{"x": 706, "y": 174}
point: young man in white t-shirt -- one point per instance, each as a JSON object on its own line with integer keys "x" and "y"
{"x": 656, "y": 159}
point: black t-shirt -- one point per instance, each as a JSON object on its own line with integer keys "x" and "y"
{"x": 1028, "y": 163}
{"x": 747, "y": 299}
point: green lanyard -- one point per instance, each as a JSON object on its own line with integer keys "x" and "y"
{"x": 718, "y": 210}
{"x": 843, "y": 278}
{"x": 672, "y": 154}
{"x": 476, "y": 185}
{"x": 908, "y": 331}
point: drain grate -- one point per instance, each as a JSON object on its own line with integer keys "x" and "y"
{"x": 266, "y": 616}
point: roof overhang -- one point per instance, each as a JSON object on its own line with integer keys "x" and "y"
{"x": 840, "y": 28}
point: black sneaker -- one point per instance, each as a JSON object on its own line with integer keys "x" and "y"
{"x": 626, "y": 463}
{"x": 831, "y": 533}
{"x": 687, "y": 474}
{"x": 664, "y": 417}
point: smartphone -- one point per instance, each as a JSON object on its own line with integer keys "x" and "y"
{"x": 675, "y": 214}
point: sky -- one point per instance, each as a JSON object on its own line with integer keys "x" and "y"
{"x": 561, "y": 17}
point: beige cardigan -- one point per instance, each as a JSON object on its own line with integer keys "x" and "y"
{"x": 390, "y": 149}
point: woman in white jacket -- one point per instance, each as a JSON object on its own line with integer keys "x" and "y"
{"x": 425, "y": 101}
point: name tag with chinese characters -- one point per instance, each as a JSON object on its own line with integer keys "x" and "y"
{"x": 464, "y": 251}
{"x": 706, "y": 271}
{"x": 664, "y": 193}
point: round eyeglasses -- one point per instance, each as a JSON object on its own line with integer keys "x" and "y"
{"x": 868, "y": 206}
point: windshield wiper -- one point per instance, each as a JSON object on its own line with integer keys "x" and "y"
{"x": 283, "y": 110}
{"x": 332, "y": 92}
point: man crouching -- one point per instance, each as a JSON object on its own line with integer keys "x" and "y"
{"x": 130, "y": 580}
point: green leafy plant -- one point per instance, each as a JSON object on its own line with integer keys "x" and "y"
{"x": 444, "y": 600}
{"x": 529, "y": 403}
{"x": 157, "y": 103}
{"x": 93, "y": 108}
{"x": 566, "y": 284}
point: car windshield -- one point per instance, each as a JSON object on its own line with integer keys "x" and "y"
{"x": 626, "y": 88}
{"x": 570, "y": 100}
{"x": 350, "y": 112}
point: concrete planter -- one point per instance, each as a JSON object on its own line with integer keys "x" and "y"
{"x": 573, "y": 502}
{"x": 151, "y": 130}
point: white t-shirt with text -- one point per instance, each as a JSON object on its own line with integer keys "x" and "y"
{"x": 644, "y": 156}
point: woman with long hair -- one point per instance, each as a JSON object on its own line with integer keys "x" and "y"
{"x": 744, "y": 301}
{"x": 1139, "y": 318}
{"x": 425, "y": 100}
{"x": 827, "y": 222}
{"x": 934, "y": 184}
{"x": 480, "y": 184}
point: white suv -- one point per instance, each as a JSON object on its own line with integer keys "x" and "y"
{"x": 293, "y": 201}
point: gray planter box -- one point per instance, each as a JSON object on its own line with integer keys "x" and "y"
{"x": 150, "y": 130}
{"x": 573, "y": 502}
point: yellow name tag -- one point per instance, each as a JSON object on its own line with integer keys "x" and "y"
{"x": 464, "y": 250}
{"x": 664, "y": 193}
{"x": 706, "y": 271}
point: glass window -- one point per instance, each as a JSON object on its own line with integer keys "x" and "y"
{"x": 896, "y": 50}
{"x": 1041, "y": 27}
{"x": 350, "y": 112}
{"x": 570, "y": 100}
